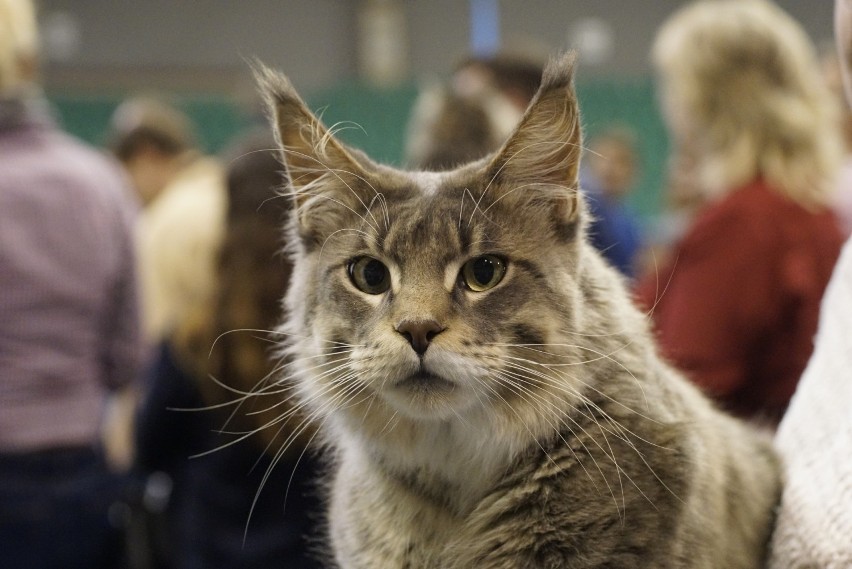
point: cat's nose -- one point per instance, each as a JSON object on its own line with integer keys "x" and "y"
{"x": 419, "y": 333}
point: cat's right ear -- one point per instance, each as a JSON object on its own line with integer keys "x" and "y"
{"x": 542, "y": 156}
{"x": 316, "y": 163}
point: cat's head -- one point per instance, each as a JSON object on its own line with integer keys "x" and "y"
{"x": 431, "y": 295}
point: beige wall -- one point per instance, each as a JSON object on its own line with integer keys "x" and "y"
{"x": 314, "y": 41}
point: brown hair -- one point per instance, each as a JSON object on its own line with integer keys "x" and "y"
{"x": 142, "y": 122}
{"x": 447, "y": 130}
{"x": 514, "y": 74}
{"x": 228, "y": 344}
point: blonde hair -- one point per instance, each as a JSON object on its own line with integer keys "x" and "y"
{"x": 18, "y": 41}
{"x": 741, "y": 83}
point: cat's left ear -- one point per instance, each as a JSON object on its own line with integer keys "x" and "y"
{"x": 541, "y": 159}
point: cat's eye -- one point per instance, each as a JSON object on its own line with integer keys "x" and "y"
{"x": 482, "y": 273}
{"x": 369, "y": 275}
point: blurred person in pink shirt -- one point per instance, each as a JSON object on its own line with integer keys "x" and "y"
{"x": 69, "y": 323}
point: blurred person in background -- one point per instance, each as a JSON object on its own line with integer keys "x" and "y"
{"x": 815, "y": 436}
{"x": 737, "y": 307}
{"x": 154, "y": 141}
{"x": 216, "y": 353}
{"x": 447, "y": 129}
{"x": 473, "y": 114}
{"x": 183, "y": 193}
{"x": 516, "y": 74}
{"x": 682, "y": 199}
{"x": 607, "y": 179}
{"x": 69, "y": 322}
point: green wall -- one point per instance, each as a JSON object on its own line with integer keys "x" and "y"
{"x": 631, "y": 103}
{"x": 375, "y": 120}
{"x": 216, "y": 118}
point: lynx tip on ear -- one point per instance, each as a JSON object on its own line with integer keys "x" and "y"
{"x": 274, "y": 86}
{"x": 559, "y": 71}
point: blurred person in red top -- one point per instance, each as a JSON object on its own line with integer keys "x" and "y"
{"x": 69, "y": 323}
{"x": 737, "y": 306}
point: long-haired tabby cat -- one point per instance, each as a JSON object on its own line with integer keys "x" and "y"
{"x": 492, "y": 397}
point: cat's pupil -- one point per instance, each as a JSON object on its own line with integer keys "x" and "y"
{"x": 483, "y": 270}
{"x": 374, "y": 273}
{"x": 369, "y": 275}
{"x": 482, "y": 273}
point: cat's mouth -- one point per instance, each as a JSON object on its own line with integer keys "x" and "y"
{"x": 425, "y": 382}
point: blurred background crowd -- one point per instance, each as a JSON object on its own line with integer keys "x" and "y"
{"x": 140, "y": 229}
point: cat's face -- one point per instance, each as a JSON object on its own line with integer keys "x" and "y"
{"x": 432, "y": 295}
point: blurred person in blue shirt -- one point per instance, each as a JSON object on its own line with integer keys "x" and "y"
{"x": 607, "y": 179}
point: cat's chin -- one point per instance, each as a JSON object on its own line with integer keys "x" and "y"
{"x": 424, "y": 395}
{"x": 425, "y": 382}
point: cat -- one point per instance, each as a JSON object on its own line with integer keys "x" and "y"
{"x": 490, "y": 395}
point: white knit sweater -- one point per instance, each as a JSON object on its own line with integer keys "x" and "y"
{"x": 814, "y": 528}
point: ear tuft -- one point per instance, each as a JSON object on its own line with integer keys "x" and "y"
{"x": 559, "y": 72}
{"x": 278, "y": 93}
